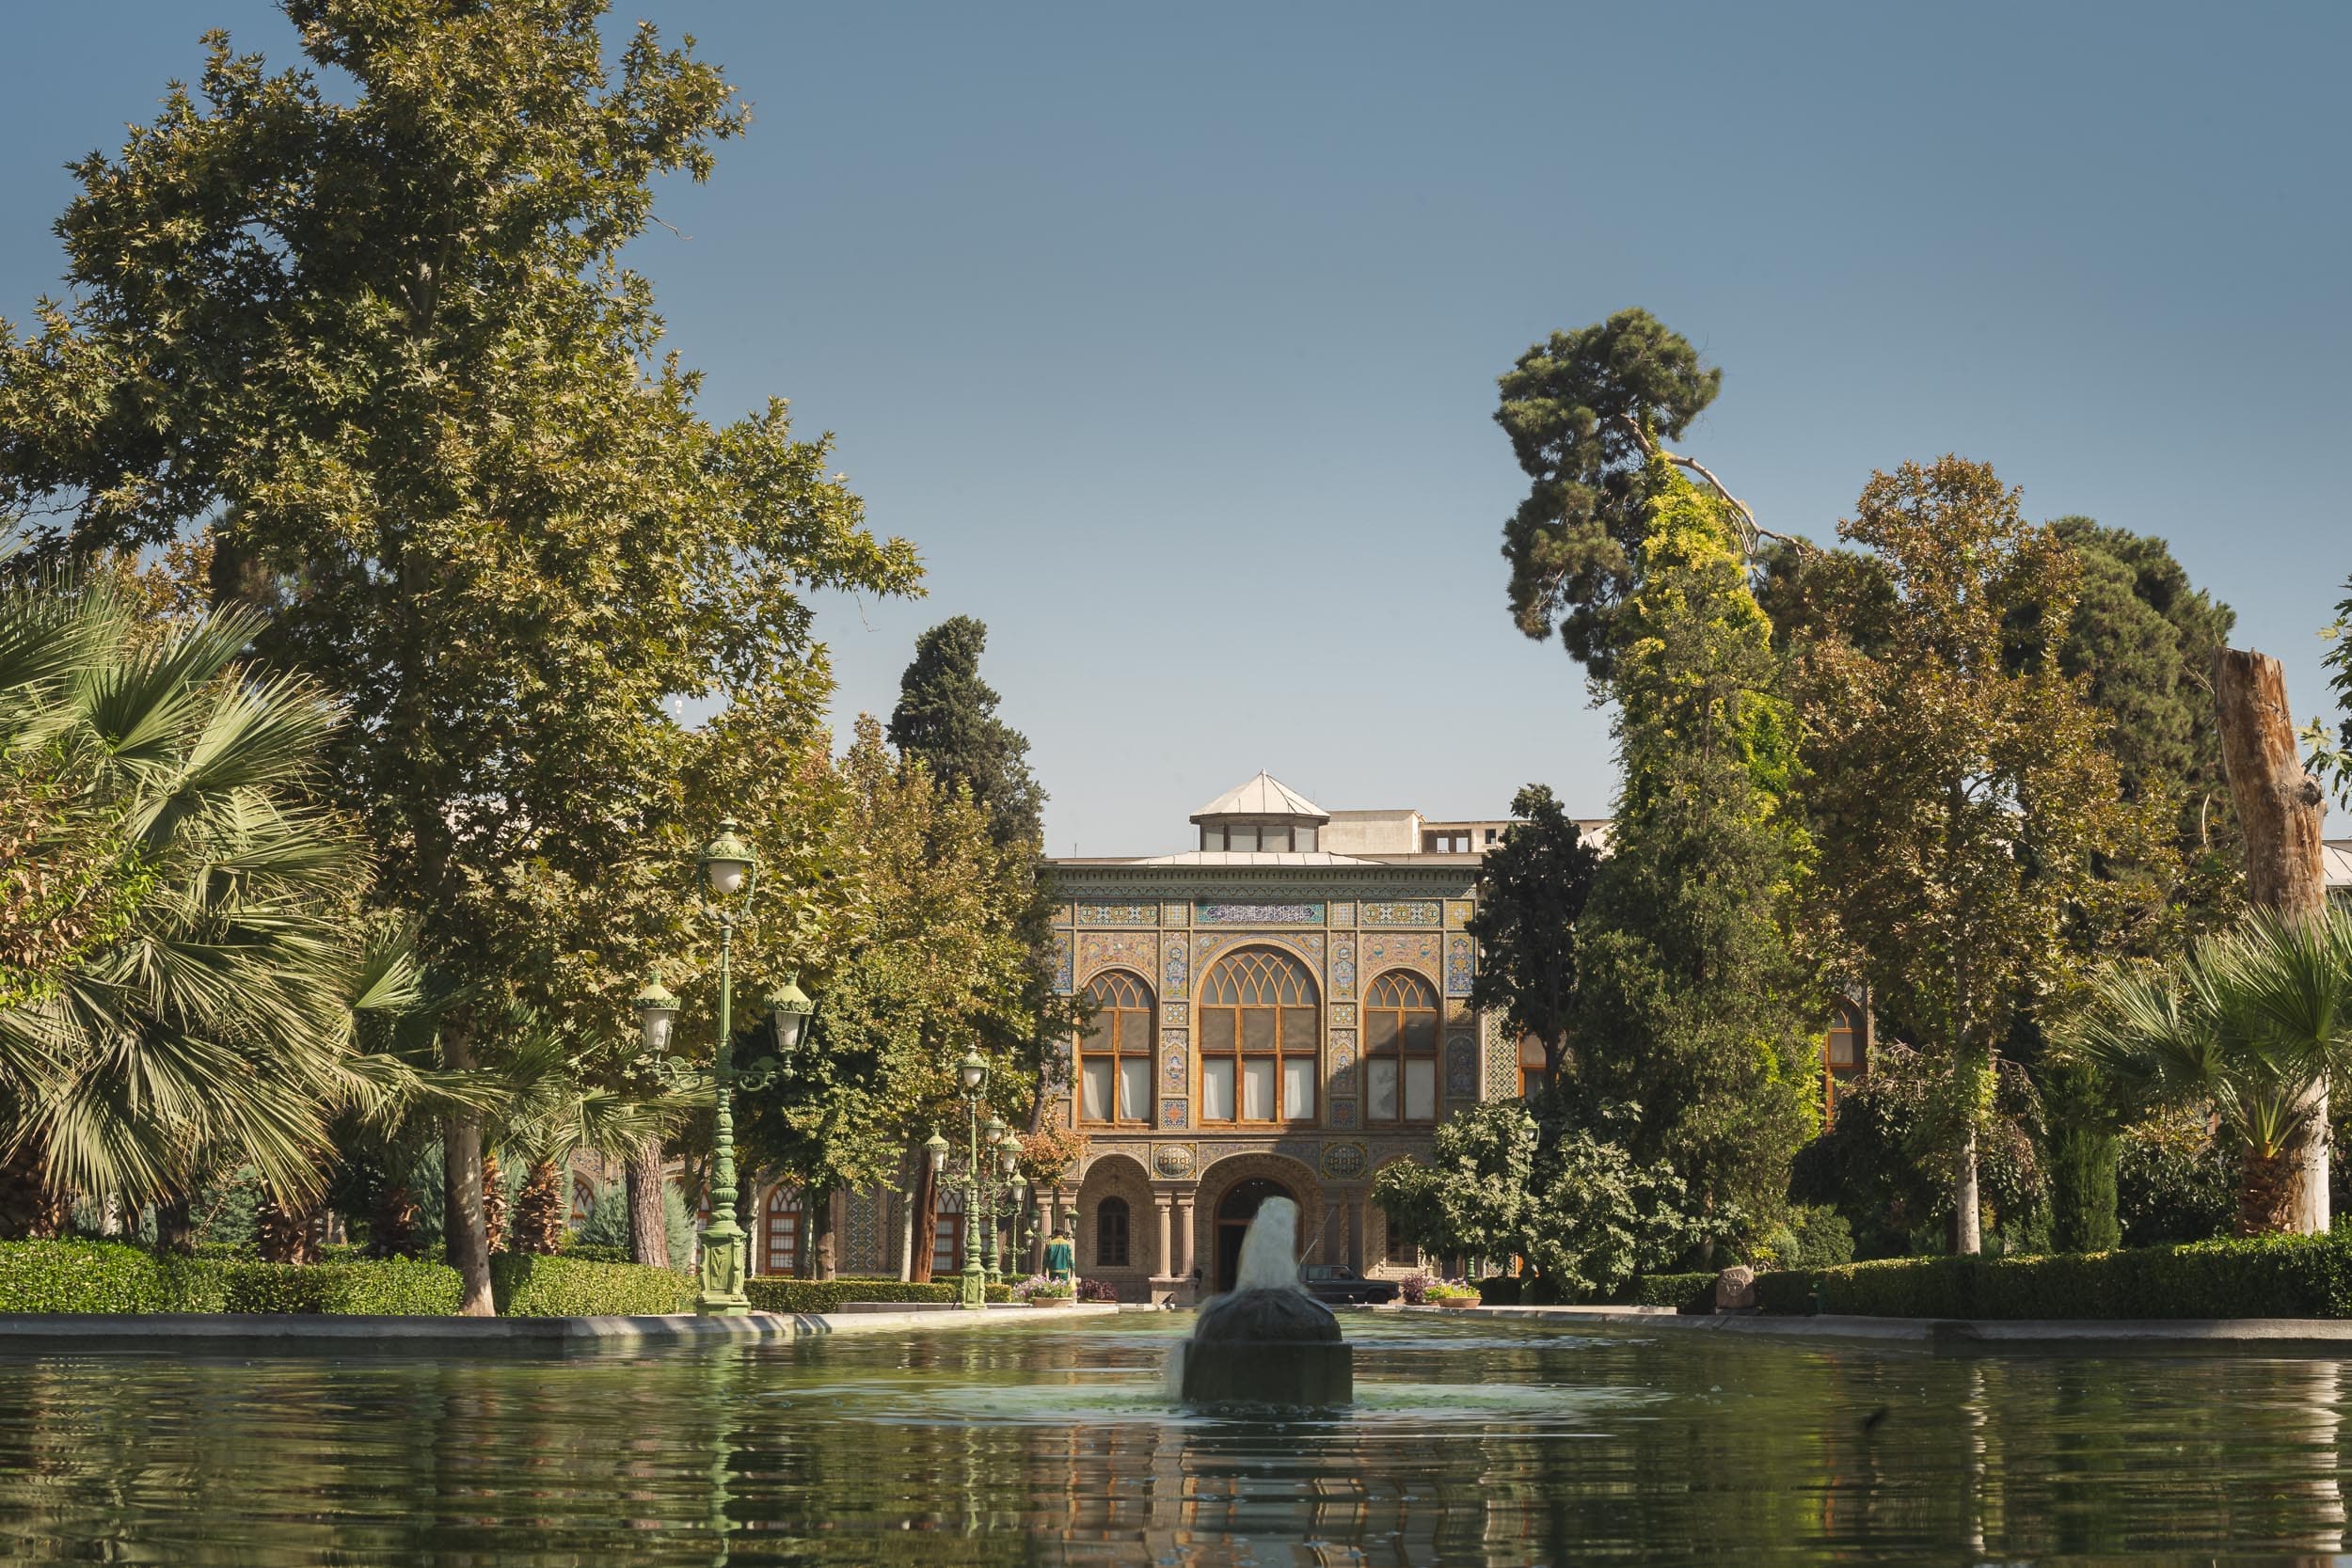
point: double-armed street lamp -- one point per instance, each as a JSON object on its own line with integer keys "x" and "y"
{"x": 980, "y": 1185}
{"x": 729, "y": 869}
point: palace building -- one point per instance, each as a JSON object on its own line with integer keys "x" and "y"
{"x": 1281, "y": 1009}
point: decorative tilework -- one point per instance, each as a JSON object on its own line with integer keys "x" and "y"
{"x": 1175, "y": 1112}
{"x": 1209, "y": 945}
{"x": 1461, "y": 1066}
{"x": 1401, "y": 950}
{"x": 1061, "y": 963}
{"x": 1457, "y": 1010}
{"x": 1344, "y": 914}
{"x": 1404, "y": 912}
{"x": 861, "y": 1230}
{"x": 1175, "y": 1065}
{"x": 1175, "y": 914}
{"x": 1344, "y": 1162}
{"x": 1344, "y": 966}
{"x": 1175, "y": 968}
{"x": 1091, "y": 913}
{"x": 1343, "y": 1113}
{"x": 1174, "y": 1161}
{"x": 1122, "y": 949}
{"x": 1502, "y": 1060}
{"x": 1260, "y": 914}
{"x": 1342, "y": 1015}
{"x": 1458, "y": 912}
{"x": 1457, "y": 965}
{"x": 1342, "y": 1057}
{"x": 1176, "y": 1015}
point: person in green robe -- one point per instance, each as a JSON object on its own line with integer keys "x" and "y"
{"x": 1061, "y": 1256}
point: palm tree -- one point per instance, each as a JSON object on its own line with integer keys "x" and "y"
{"x": 560, "y": 1097}
{"x": 2253, "y": 1025}
{"x": 179, "y": 989}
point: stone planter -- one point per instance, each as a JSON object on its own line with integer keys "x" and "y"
{"x": 1455, "y": 1304}
{"x": 1053, "y": 1301}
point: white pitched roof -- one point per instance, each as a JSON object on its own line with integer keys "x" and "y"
{"x": 2336, "y": 861}
{"x": 1264, "y": 796}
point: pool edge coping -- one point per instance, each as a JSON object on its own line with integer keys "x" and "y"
{"x": 2332, "y": 1334}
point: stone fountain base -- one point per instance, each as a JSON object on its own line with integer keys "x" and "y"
{"x": 1313, "y": 1374}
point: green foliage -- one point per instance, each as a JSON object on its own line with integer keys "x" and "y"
{"x": 1688, "y": 1004}
{"x": 776, "y": 1293}
{"x": 1816, "y": 1236}
{"x": 109, "y": 1276}
{"x": 1582, "y": 1212}
{"x": 1581, "y": 410}
{"x": 947, "y": 720}
{"x": 2270, "y": 1276}
{"x": 2331, "y": 754}
{"x": 608, "y": 1226}
{"x": 1532, "y": 888}
{"x": 1689, "y": 1293}
{"x": 2173, "y": 1189}
{"x": 556, "y": 1286}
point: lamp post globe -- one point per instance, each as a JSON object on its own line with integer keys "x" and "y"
{"x": 726, "y": 861}
{"x": 657, "y": 1013}
{"x": 788, "y": 1009}
{"x": 972, "y": 1072}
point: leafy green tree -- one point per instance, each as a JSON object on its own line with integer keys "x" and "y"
{"x": 2331, "y": 754}
{"x": 380, "y": 341}
{"x": 946, "y": 718}
{"x": 1531, "y": 891}
{"x": 1962, "y": 797}
{"x": 1583, "y": 1215}
{"x": 1689, "y": 1003}
{"x": 1584, "y": 410}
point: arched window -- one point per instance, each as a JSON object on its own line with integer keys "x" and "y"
{"x": 948, "y": 1232}
{"x": 1115, "y": 1058}
{"x": 583, "y": 1202}
{"x": 780, "y": 1232}
{"x": 1531, "y": 1065}
{"x": 1110, "y": 1233}
{"x": 1258, "y": 1035}
{"x": 1401, "y": 1048}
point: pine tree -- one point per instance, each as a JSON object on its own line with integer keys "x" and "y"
{"x": 1532, "y": 888}
{"x": 946, "y": 716}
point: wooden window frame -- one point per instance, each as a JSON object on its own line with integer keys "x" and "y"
{"x": 782, "y": 1203}
{"x": 1376, "y": 1002}
{"x": 1108, "y": 1209}
{"x": 1134, "y": 1007}
{"x": 1263, "y": 966}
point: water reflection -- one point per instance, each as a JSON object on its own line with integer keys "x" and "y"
{"x": 1472, "y": 1443}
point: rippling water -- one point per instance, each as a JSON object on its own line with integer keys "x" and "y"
{"x": 1472, "y": 1443}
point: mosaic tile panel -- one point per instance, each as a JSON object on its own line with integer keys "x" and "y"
{"x": 1342, "y": 1060}
{"x": 862, "y": 1233}
{"x": 1342, "y": 1015}
{"x": 1174, "y": 1162}
{"x": 1260, "y": 914}
{"x": 1344, "y": 966}
{"x": 1175, "y": 1061}
{"x": 1098, "y": 950}
{"x": 1344, "y": 914}
{"x": 1403, "y": 911}
{"x": 1175, "y": 966}
{"x": 1458, "y": 965}
{"x": 1175, "y": 1112}
{"x": 1175, "y": 914}
{"x": 1176, "y": 1015}
{"x": 1061, "y": 963}
{"x": 1457, "y": 1010}
{"x": 1461, "y": 1066}
{"x": 1306, "y": 944}
{"x": 1094, "y": 913}
{"x": 1503, "y": 1061}
{"x": 1343, "y": 1113}
{"x": 1345, "y": 1161}
{"x": 1401, "y": 950}
{"x": 1458, "y": 912}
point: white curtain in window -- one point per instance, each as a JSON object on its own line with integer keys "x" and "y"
{"x": 1095, "y": 1081}
{"x": 1380, "y": 1089}
{"x": 1217, "y": 1090}
{"x": 1134, "y": 1089}
{"x": 1257, "y": 1089}
{"x": 1299, "y": 1087}
{"x": 1421, "y": 1090}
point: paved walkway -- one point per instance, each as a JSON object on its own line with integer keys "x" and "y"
{"x": 297, "y": 1333}
{"x": 2321, "y": 1336}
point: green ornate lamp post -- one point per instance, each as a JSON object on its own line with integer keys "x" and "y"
{"x": 972, "y": 1072}
{"x": 729, "y": 867}
{"x": 988, "y": 1154}
{"x": 1019, "y": 1187}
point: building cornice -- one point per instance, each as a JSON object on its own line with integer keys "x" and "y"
{"x": 1297, "y": 881}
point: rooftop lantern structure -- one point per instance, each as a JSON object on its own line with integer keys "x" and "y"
{"x": 1262, "y": 816}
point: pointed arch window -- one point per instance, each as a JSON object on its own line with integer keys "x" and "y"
{"x": 1115, "y": 1058}
{"x": 1401, "y": 1048}
{"x": 1259, "y": 1030}
{"x": 779, "y": 1230}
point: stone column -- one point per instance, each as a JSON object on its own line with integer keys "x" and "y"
{"x": 1160, "y": 1260}
{"x": 1356, "y": 1230}
{"x": 1183, "y": 1234}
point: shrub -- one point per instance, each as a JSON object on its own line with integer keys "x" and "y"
{"x": 1414, "y": 1289}
{"x": 594, "y": 1252}
{"x": 1097, "y": 1289}
{"x": 110, "y": 1277}
{"x": 1044, "y": 1286}
{"x": 2261, "y": 1276}
{"x": 1684, "y": 1292}
{"x": 561, "y": 1285}
{"x": 1445, "y": 1290}
{"x": 780, "y": 1294}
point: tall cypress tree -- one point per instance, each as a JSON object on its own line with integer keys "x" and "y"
{"x": 946, "y": 716}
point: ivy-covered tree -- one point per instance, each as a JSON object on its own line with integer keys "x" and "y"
{"x": 1962, "y": 800}
{"x": 1532, "y": 889}
{"x": 373, "y": 331}
{"x": 1690, "y": 1003}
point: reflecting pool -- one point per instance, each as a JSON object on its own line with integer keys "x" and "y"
{"x": 1473, "y": 1442}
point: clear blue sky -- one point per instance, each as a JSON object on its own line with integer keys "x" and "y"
{"x": 1171, "y": 333}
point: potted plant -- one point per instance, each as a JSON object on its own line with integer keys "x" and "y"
{"x": 1450, "y": 1293}
{"x": 1038, "y": 1290}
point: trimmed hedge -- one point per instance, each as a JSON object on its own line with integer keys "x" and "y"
{"x": 531, "y": 1286}
{"x": 1684, "y": 1292}
{"x": 2264, "y": 1276}
{"x": 112, "y": 1276}
{"x": 783, "y": 1294}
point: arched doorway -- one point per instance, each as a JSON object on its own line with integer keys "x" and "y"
{"x": 1234, "y": 1212}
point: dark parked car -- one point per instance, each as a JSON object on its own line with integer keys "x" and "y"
{"x": 1337, "y": 1285}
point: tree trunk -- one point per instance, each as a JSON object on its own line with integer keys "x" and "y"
{"x": 29, "y": 1212}
{"x": 175, "y": 1226}
{"x": 925, "y": 1211}
{"x": 493, "y": 1202}
{"x": 540, "y": 1212}
{"x": 464, "y": 1229}
{"x": 392, "y": 1228}
{"x": 906, "y": 1221}
{"x": 2282, "y": 812}
{"x": 2268, "y": 1193}
{"x": 284, "y": 1234}
{"x": 817, "y": 1213}
{"x": 1967, "y": 1213}
{"x": 649, "y": 1226}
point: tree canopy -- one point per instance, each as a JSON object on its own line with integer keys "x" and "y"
{"x": 1532, "y": 889}
{"x": 946, "y": 718}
